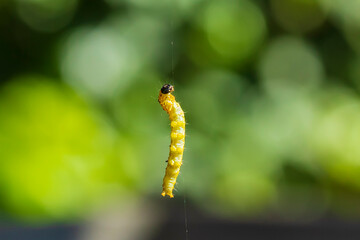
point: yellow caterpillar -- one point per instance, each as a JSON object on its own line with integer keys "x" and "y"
{"x": 177, "y": 119}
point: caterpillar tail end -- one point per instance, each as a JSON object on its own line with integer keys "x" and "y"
{"x": 169, "y": 194}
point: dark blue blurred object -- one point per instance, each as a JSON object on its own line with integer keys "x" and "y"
{"x": 55, "y": 232}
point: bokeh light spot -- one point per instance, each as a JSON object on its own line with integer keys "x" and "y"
{"x": 54, "y": 152}
{"x": 46, "y": 15}
{"x": 343, "y": 12}
{"x": 233, "y": 31}
{"x": 96, "y": 61}
{"x": 290, "y": 65}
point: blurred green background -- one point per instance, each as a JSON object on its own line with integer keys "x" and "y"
{"x": 270, "y": 90}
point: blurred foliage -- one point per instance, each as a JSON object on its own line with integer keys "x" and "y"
{"x": 270, "y": 90}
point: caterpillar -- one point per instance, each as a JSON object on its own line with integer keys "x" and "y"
{"x": 177, "y": 123}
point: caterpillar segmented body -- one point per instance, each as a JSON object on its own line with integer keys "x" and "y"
{"x": 177, "y": 119}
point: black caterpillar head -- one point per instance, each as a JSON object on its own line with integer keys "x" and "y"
{"x": 167, "y": 88}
